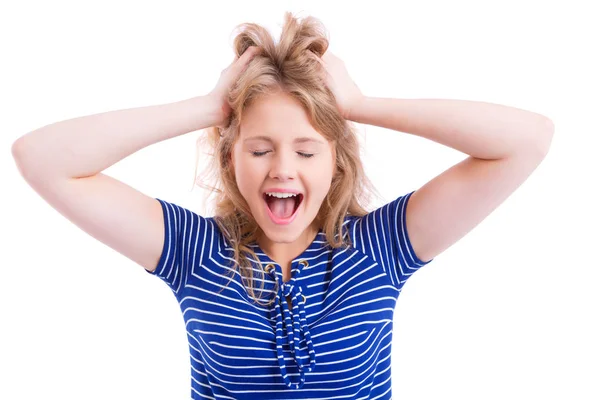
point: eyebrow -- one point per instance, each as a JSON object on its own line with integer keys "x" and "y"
{"x": 296, "y": 140}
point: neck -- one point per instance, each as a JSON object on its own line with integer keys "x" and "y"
{"x": 284, "y": 253}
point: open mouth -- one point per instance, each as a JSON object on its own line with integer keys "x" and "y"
{"x": 282, "y": 213}
{"x": 270, "y": 199}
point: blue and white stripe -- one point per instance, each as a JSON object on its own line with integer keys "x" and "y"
{"x": 336, "y": 340}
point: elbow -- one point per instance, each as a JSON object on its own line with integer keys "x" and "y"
{"x": 545, "y": 136}
{"x": 18, "y": 153}
{"x": 538, "y": 143}
{"x": 18, "y": 147}
{"x": 24, "y": 160}
{"x": 17, "y": 150}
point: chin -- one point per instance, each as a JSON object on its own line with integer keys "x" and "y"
{"x": 283, "y": 234}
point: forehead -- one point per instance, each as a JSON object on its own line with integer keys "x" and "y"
{"x": 278, "y": 118}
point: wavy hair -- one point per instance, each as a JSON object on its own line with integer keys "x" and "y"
{"x": 291, "y": 67}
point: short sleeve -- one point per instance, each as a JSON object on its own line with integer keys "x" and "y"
{"x": 184, "y": 245}
{"x": 383, "y": 234}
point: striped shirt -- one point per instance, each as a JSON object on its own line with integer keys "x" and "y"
{"x": 336, "y": 340}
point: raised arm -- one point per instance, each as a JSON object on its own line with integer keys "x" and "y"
{"x": 63, "y": 162}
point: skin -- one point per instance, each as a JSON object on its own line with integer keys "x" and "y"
{"x": 282, "y": 118}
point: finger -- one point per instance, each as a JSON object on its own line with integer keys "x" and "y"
{"x": 249, "y": 53}
{"x": 322, "y": 64}
{"x": 324, "y": 70}
{"x": 246, "y": 53}
{"x": 245, "y": 58}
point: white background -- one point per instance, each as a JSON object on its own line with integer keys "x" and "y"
{"x": 511, "y": 311}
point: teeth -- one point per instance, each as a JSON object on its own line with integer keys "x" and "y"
{"x": 281, "y": 195}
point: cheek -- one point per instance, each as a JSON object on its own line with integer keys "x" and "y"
{"x": 248, "y": 181}
{"x": 321, "y": 187}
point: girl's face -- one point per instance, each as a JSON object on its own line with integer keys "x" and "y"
{"x": 279, "y": 149}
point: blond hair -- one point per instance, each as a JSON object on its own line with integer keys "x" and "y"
{"x": 289, "y": 67}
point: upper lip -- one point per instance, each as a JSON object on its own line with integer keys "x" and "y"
{"x": 278, "y": 190}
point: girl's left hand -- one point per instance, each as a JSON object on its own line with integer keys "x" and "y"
{"x": 347, "y": 94}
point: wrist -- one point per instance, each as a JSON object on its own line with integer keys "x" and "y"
{"x": 203, "y": 111}
{"x": 356, "y": 112}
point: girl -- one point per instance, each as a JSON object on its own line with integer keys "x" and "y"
{"x": 289, "y": 290}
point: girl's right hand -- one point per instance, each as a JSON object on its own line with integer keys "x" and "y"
{"x": 228, "y": 76}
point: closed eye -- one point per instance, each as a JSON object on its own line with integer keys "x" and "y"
{"x": 262, "y": 153}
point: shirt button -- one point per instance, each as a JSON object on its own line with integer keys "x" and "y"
{"x": 269, "y": 268}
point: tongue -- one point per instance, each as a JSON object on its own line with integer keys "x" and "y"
{"x": 282, "y": 208}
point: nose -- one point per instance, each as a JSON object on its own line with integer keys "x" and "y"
{"x": 282, "y": 166}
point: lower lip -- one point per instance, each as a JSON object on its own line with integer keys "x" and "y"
{"x": 283, "y": 221}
